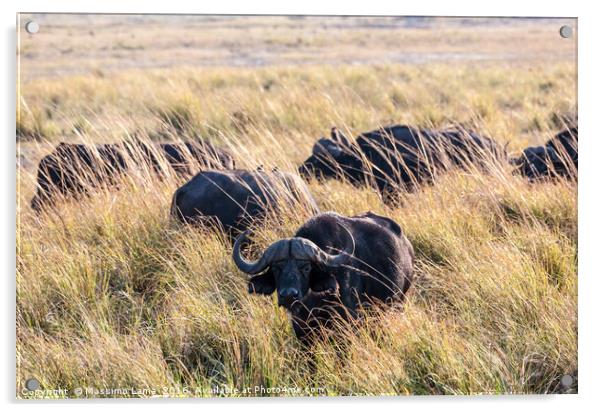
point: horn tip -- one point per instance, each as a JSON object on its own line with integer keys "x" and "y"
{"x": 243, "y": 235}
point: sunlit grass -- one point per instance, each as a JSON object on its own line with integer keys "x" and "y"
{"x": 112, "y": 293}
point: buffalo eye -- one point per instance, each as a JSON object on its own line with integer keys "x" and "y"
{"x": 306, "y": 268}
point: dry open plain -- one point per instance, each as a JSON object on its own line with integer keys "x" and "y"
{"x": 112, "y": 294}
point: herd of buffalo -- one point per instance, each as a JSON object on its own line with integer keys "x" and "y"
{"x": 333, "y": 265}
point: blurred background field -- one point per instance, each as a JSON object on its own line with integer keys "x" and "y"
{"x": 110, "y": 292}
{"x": 81, "y": 44}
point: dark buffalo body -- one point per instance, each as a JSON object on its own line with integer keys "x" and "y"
{"x": 233, "y": 199}
{"x": 331, "y": 267}
{"x": 71, "y": 170}
{"x": 558, "y": 157}
{"x": 186, "y": 158}
{"x": 398, "y": 156}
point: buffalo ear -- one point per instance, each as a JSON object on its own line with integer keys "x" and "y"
{"x": 262, "y": 284}
{"x": 339, "y": 137}
{"x": 320, "y": 282}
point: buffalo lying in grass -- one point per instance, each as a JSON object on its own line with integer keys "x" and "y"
{"x": 234, "y": 199}
{"x": 331, "y": 267}
{"x": 71, "y": 170}
{"x": 558, "y": 157}
{"x": 398, "y": 156}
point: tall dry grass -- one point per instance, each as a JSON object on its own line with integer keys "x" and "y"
{"x": 111, "y": 293}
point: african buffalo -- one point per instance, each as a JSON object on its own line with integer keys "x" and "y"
{"x": 397, "y": 156}
{"x": 557, "y": 157}
{"x": 71, "y": 170}
{"x": 233, "y": 199}
{"x": 186, "y": 159}
{"x": 331, "y": 267}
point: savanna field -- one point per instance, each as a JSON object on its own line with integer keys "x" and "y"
{"x": 111, "y": 293}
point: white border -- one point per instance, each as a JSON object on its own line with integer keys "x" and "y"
{"x": 589, "y": 187}
{"x": 552, "y": 8}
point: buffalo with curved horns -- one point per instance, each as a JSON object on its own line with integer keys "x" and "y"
{"x": 557, "y": 157}
{"x": 71, "y": 170}
{"x": 331, "y": 267}
{"x": 234, "y": 199}
{"x": 398, "y": 156}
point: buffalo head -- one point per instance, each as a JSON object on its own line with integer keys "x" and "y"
{"x": 292, "y": 267}
{"x": 330, "y": 156}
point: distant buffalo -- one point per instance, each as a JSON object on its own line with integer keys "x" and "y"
{"x": 71, "y": 170}
{"x": 187, "y": 159}
{"x": 331, "y": 267}
{"x": 234, "y": 199}
{"x": 557, "y": 157}
{"x": 398, "y": 156}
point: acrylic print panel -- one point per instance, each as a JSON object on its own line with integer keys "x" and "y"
{"x": 403, "y": 189}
